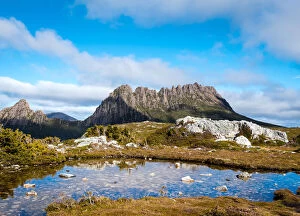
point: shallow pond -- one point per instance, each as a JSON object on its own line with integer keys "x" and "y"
{"x": 135, "y": 179}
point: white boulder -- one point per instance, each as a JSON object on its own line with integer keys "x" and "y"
{"x": 187, "y": 179}
{"x": 66, "y": 175}
{"x": 222, "y": 188}
{"x": 132, "y": 145}
{"x": 243, "y": 141}
{"x": 31, "y": 193}
{"x": 244, "y": 176}
{"x": 29, "y": 185}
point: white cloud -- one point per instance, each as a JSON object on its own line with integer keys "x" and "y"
{"x": 277, "y": 105}
{"x": 78, "y": 100}
{"x": 240, "y": 78}
{"x": 272, "y": 23}
{"x": 93, "y": 69}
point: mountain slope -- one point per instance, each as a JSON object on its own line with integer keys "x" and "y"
{"x": 21, "y": 117}
{"x": 62, "y": 116}
{"x": 125, "y": 105}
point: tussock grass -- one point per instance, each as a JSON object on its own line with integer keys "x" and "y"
{"x": 180, "y": 206}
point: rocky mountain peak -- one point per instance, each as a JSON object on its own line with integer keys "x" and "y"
{"x": 22, "y": 104}
{"x": 167, "y": 104}
{"x": 122, "y": 90}
{"x": 21, "y": 113}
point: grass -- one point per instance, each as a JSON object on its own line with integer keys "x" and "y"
{"x": 165, "y": 142}
{"x": 221, "y": 206}
{"x": 269, "y": 159}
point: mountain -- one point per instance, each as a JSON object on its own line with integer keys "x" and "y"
{"x": 22, "y": 117}
{"x": 21, "y": 114}
{"x": 62, "y": 116}
{"x": 125, "y": 105}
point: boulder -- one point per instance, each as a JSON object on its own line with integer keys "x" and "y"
{"x": 244, "y": 176}
{"x": 66, "y": 175}
{"x": 132, "y": 145}
{"x": 187, "y": 179}
{"x": 31, "y": 193}
{"x": 29, "y": 185}
{"x": 222, "y": 188}
{"x": 243, "y": 141}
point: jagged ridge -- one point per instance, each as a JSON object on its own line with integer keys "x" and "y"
{"x": 125, "y": 105}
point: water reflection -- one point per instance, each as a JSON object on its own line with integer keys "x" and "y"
{"x": 133, "y": 179}
{"x": 11, "y": 179}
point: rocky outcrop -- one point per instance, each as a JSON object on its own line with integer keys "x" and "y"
{"x": 21, "y": 114}
{"x": 229, "y": 130}
{"x": 98, "y": 142}
{"x": 125, "y": 105}
{"x": 22, "y": 117}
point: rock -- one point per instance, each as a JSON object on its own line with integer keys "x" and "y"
{"x": 187, "y": 179}
{"x": 66, "y": 175}
{"x": 16, "y": 166}
{"x": 205, "y": 174}
{"x": 177, "y": 165}
{"x": 29, "y": 185}
{"x": 244, "y": 176}
{"x": 243, "y": 141}
{"x": 228, "y": 130}
{"x": 131, "y": 145}
{"x": 222, "y": 188}
{"x": 31, "y": 193}
{"x": 50, "y": 146}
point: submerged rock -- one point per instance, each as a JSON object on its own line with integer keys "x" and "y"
{"x": 66, "y": 175}
{"x": 29, "y": 185}
{"x": 222, "y": 188}
{"x": 205, "y": 174}
{"x": 244, "y": 176}
{"x": 187, "y": 179}
{"x": 31, "y": 193}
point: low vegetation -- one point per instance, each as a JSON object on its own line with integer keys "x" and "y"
{"x": 166, "y": 142}
{"x": 19, "y": 148}
{"x": 286, "y": 204}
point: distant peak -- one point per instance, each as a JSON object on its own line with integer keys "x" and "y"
{"x": 22, "y": 103}
{"x": 121, "y": 90}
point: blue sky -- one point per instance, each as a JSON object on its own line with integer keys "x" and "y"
{"x": 67, "y": 55}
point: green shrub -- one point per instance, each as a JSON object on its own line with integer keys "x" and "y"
{"x": 15, "y": 148}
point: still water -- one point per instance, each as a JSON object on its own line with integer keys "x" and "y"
{"x": 133, "y": 179}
